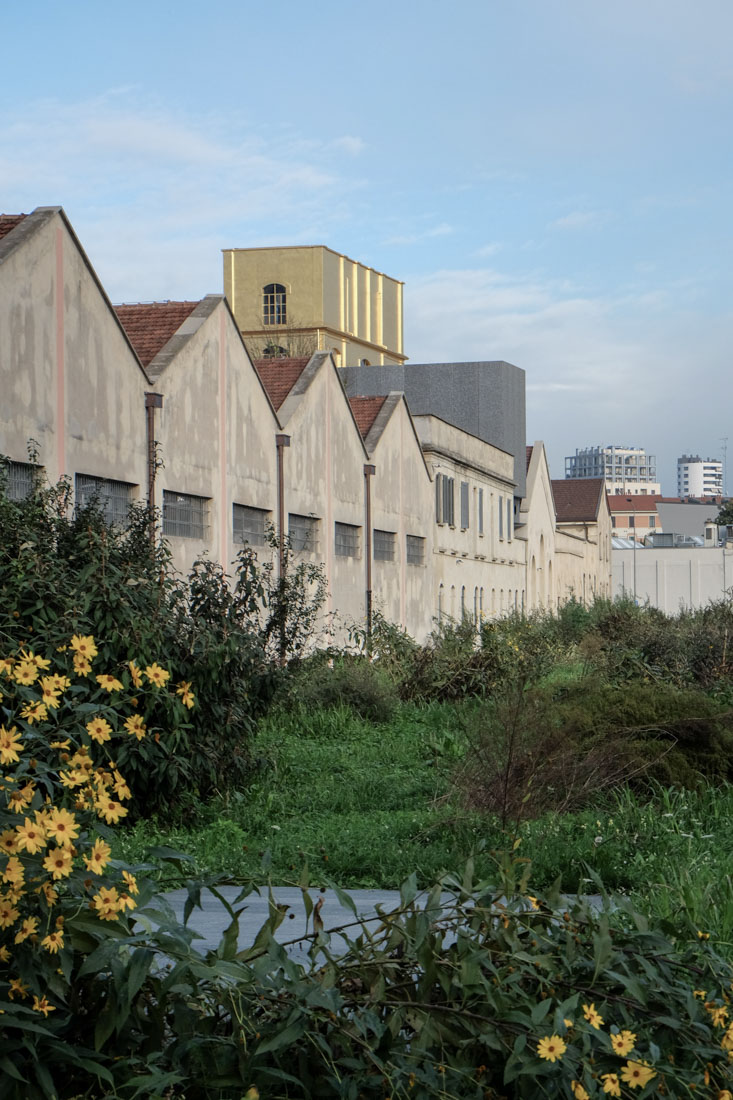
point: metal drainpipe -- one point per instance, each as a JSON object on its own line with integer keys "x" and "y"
{"x": 281, "y": 441}
{"x": 369, "y": 472}
{"x": 153, "y": 401}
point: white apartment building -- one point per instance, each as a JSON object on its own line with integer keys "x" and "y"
{"x": 699, "y": 477}
{"x": 625, "y": 470}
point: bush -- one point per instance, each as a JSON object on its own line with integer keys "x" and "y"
{"x": 345, "y": 680}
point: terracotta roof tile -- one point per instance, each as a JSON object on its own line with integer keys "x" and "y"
{"x": 642, "y": 502}
{"x": 366, "y": 410}
{"x": 150, "y": 325}
{"x": 8, "y": 222}
{"x": 278, "y": 376}
{"x": 529, "y": 455}
{"x": 577, "y": 499}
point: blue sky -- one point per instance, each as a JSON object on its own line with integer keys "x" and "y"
{"x": 551, "y": 180}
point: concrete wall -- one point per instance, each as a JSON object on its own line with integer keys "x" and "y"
{"x": 673, "y": 579}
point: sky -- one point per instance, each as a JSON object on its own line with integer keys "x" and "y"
{"x": 551, "y": 179}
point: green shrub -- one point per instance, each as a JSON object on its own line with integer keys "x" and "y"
{"x": 351, "y": 681}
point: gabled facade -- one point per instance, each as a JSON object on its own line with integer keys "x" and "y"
{"x": 583, "y": 546}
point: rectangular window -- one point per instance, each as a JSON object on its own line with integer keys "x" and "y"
{"x": 113, "y": 497}
{"x": 631, "y": 521}
{"x": 509, "y": 518}
{"x": 185, "y": 516}
{"x": 384, "y": 545}
{"x": 613, "y": 521}
{"x": 249, "y": 524}
{"x": 652, "y": 521}
{"x": 19, "y": 479}
{"x": 303, "y": 533}
{"x": 464, "y": 505}
{"x": 444, "y": 490}
{"x": 480, "y": 511}
{"x": 347, "y": 540}
{"x": 415, "y": 550}
{"x": 501, "y": 517}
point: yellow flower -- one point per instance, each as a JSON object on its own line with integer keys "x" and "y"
{"x": 578, "y": 1091}
{"x": 8, "y": 913}
{"x": 131, "y": 882}
{"x": 28, "y": 928}
{"x": 4, "y": 954}
{"x": 136, "y": 674}
{"x": 126, "y": 902}
{"x": 725, "y": 1094}
{"x": 84, "y": 646}
{"x": 14, "y": 871}
{"x": 717, "y": 1014}
{"x": 49, "y": 892}
{"x": 187, "y": 698}
{"x": 50, "y": 691}
{"x": 700, "y": 994}
{"x": 99, "y": 729}
{"x": 82, "y": 667}
{"x": 6, "y": 666}
{"x": 43, "y": 1006}
{"x": 31, "y": 837}
{"x": 157, "y": 675}
{"x": 34, "y": 712}
{"x": 10, "y": 745}
{"x": 594, "y": 1018}
{"x": 623, "y": 1043}
{"x": 53, "y": 942}
{"x": 135, "y": 726}
{"x": 59, "y": 863}
{"x": 60, "y": 744}
{"x": 703, "y": 935}
{"x": 727, "y": 1041}
{"x": 611, "y": 1084}
{"x": 551, "y": 1048}
{"x": 107, "y": 903}
{"x": 19, "y": 800}
{"x": 38, "y": 661}
{"x": 637, "y": 1075}
{"x": 26, "y": 672}
{"x": 9, "y": 841}
{"x": 62, "y": 826}
{"x": 99, "y": 856}
{"x": 17, "y": 988}
{"x": 109, "y": 683}
{"x": 111, "y": 810}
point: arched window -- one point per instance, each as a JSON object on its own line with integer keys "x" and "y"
{"x": 274, "y": 308}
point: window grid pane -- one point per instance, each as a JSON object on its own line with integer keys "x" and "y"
{"x": 415, "y": 550}
{"x": 347, "y": 540}
{"x": 20, "y": 480}
{"x": 384, "y": 545}
{"x": 249, "y": 524}
{"x": 274, "y": 304}
{"x": 114, "y": 497}
{"x": 303, "y": 532}
{"x": 184, "y": 515}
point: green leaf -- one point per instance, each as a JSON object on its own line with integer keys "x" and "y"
{"x": 284, "y": 1038}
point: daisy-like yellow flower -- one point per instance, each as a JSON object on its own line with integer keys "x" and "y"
{"x": 727, "y": 1041}
{"x": 700, "y": 994}
{"x": 50, "y": 692}
{"x": 84, "y": 645}
{"x": 62, "y": 826}
{"x": 31, "y": 837}
{"x": 82, "y": 667}
{"x": 43, "y": 1005}
{"x": 8, "y": 913}
{"x": 38, "y": 661}
{"x": 53, "y": 942}
{"x": 109, "y": 683}
{"x": 25, "y": 672}
{"x": 111, "y": 810}
{"x": 187, "y": 698}
{"x": 98, "y": 857}
{"x": 4, "y": 954}
{"x": 594, "y": 1018}
{"x": 9, "y": 841}
{"x": 29, "y": 927}
{"x": 61, "y": 744}
{"x": 717, "y": 1013}
{"x": 10, "y": 745}
{"x": 99, "y": 730}
{"x": 578, "y": 1091}
{"x": 135, "y": 674}
{"x": 49, "y": 892}
{"x": 623, "y": 1043}
{"x": 21, "y": 798}
{"x": 6, "y": 666}
{"x": 126, "y": 902}
{"x": 157, "y": 675}
{"x": 107, "y": 903}
{"x": 637, "y": 1075}
{"x": 135, "y": 726}
{"x": 59, "y": 863}
{"x": 131, "y": 882}
{"x": 551, "y": 1048}
{"x": 34, "y": 712}
{"x": 725, "y": 1094}
{"x": 17, "y": 989}
{"x": 14, "y": 871}
{"x": 121, "y": 788}
{"x": 611, "y": 1084}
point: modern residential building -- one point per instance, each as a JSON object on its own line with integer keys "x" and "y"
{"x": 699, "y": 477}
{"x": 625, "y": 470}
{"x": 294, "y": 301}
{"x": 634, "y": 517}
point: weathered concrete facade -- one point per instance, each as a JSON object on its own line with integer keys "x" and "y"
{"x": 673, "y": 579}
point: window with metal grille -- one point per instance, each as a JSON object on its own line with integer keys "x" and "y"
{"x": 249, "y": 524}
{"x": 384, "y": 544}
{"x": 415, "y": 550}
{"x": 303, "y": 533}
{"x": 480, "y": 511}
{"x": 274, "y": 304}
{"x": 184, "y": 515}
{"x": 113, "y": 497}
{"x": 19, "y": 479}
{"x": 444, "y": 490}
{"x": 347, "y": 540}
{"x": 464, "y": 505}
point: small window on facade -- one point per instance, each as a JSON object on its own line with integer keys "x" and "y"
{"x": 347, "y": 540}
{"x": 509, "y": 518}
{"x": 464, "y": 505}
{"x": 631, "y": 521}
{"x": 249, "y": 524}
{"x": 274, "y": 304}
{"x": 480, "y": 511}
{"x": 384, "y": 545}
{"x": 113, "y": 497}
{"x": 613, "y": 521}
{"x": 185, "y": 516}
{"x": 20, "y": 477}
{"x": 444, "y": 493}
{"x": 501, "y": 517}
{"x": 415, "y": 550}
{"x": 303, "y": 533}
{"x": 652, "y": 521}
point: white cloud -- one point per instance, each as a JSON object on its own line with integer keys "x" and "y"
{"x": 487, "y": 250}
{"x": 580, "y": 219}
{"x": 349, "y": 144}
{"x": 442, "y": 230}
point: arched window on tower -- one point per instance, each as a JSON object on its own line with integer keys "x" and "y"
{"x": 274, "y": 306}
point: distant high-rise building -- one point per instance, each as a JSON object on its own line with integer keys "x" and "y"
{"x": 627, "y": 470}
{"x": 699, "y": 477}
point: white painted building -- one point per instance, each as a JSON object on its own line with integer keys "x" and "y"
{"x": 625, "y": 470}
{"x": 699, "y": 477}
